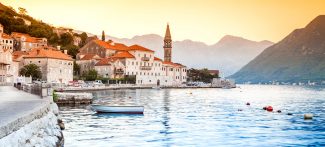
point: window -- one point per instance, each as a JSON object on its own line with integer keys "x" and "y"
{"x": 39, "y": 61}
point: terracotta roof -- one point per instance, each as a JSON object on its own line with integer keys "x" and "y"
{"x": 47, "y": 52}
{"x": 213, "y": 71}
{"x": 28, "y": 37}
{"x": 113, "y": 46}
{"x": 105, "y": 61}
{"x": 173, "y": 64}
{"x": 89, "y": 57}
{"x": 17, "y": 54}
{"x": 5, "y": 36}
{"x": 123, "y": 54}
{"x": 139, "y": 48}
{"x": 157, "y": 59}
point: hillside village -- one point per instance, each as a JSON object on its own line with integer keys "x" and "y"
{"x": 109, "y": 59}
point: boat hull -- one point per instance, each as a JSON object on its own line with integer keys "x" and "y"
{"x": 118, "y": 109}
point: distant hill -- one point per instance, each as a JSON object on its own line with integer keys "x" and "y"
{"x": 228, "y": 55}
{"x": 298, "y": 57}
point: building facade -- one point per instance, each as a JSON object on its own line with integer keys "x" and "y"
{"x": 56, "y": 67}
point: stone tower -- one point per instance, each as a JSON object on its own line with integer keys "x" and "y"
{"x": 168, "y": 46}
{"x": 103, "y": 36}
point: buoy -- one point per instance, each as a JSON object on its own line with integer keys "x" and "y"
{"x": 240, "y": 109}
{"x": 279, "y": 111}
{"x": 248, "y": 104}
{"x": 308, "y": 116}
{"x": 129, "y": 97}
{"x": 269, "y": 108}
{"x": 264, "y": 108}
{"x": 289, "y": 114}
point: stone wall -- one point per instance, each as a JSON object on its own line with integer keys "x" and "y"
{"x": 43, "y": 130}
{"x": 73, "y": 98}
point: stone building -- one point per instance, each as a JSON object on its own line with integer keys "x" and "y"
{"x": 56, "y": 67}
{"x": 24, "y": 42}
{"x": 87, "y": 62}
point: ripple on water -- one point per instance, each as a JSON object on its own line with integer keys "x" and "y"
{"x": 207, "y": 117}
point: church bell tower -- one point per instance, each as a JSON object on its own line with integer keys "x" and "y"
{"x": 168, "y": 46}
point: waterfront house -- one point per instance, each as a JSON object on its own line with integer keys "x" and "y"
{"x": 56, "y": 67}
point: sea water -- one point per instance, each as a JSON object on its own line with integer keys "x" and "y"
{"x": 201, "y": 117}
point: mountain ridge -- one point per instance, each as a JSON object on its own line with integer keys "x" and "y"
{"x": 300, "y": 56}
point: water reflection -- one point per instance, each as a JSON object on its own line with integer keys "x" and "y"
{"x": 202, "y": 117}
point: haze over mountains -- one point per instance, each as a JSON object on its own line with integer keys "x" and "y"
{"x": 228, "y": 55}
{"x": 299, "y": 57}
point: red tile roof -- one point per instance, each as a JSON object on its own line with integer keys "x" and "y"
{"x": 5, "y": 36}
{"x": 105, "y": 61}
{"x": 27, "y": 36}
{"x": 47, "y": 52}
{"x": 173, "y": 64}
{"x": 157, "y": 59}
{"x": 115, "y": 46}
{"x": 89, "y": 57}
{"x": 140, "y": 48}
{"x": 17, "y": 54}
{"x": 123, "y": 54}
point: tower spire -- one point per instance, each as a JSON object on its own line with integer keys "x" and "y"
{"x": 167, "y": 34}
{"x": 168, "y": 45}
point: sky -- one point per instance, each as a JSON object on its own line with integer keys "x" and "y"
{"x": 199, "y": 20}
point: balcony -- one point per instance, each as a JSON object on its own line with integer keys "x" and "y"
{"x": 145, "y": 67}
{"x": 119, "y": 71}
{"x": 145, "y": 58}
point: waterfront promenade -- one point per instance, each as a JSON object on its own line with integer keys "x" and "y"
{"x": 18, "y": 108}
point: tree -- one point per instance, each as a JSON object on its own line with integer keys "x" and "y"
{"x": 90, "y": 75}
{"x": 66, "y": 39}
{"x": 83, "y": 37}
{"x": 72, "y": 50}
{"x": 103, "y": 36}
{"x": 31, "y": 70}
{"x": 22, "y": 11}
{"x": 76, "y": 68}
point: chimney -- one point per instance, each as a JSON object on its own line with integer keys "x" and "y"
{"x": 66, "y": 52}
{"x": 58, "y": 47}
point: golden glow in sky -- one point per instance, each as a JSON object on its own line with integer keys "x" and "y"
{"x": 200, "y": 20}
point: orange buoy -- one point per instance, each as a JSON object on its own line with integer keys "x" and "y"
{"x": 269, "y": 108}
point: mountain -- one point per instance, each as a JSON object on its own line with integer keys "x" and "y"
{"x": 298, "y": 57}
{"x": 228, "y": 55}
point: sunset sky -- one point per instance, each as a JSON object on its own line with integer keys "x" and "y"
{"x": 199, "y": 20}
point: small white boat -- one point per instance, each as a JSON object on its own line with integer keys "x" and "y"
{"x": 157, "y": 87}
{"x": 118, "y": 109}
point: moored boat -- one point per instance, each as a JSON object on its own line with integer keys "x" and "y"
{"x": 118, "y": 109}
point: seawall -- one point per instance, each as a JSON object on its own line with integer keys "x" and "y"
{"x": 28, "y": 120}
